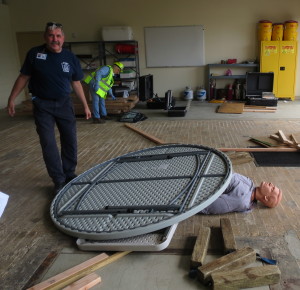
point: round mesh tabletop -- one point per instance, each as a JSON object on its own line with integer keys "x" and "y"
{"x": 141, "y": 192}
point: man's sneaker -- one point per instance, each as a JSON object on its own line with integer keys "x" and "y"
{"x": 58, "y": 187}
{"x": 106, "y": 118}
{"x": 98, "y": 121}
{"x": 68, "y": 179}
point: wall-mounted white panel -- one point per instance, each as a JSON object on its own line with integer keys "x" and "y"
{"x": 174, "y": 46}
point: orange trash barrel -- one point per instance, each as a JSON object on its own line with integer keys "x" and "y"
{"x": 264, "y": 30}
{"x": 290, "y": 30}
{"x": 277, "y": 31}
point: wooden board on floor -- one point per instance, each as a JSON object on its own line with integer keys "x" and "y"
{"x": 228, "y": 236}
{"x": 230, "y": 261}
{"x": 246, "y": 278}
{"x": 77, "y": 272}
{"x": 231, "y": 108}
{"x": 201, "y": 246}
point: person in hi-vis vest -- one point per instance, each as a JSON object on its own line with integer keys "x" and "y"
{"x": 100, "y": 83}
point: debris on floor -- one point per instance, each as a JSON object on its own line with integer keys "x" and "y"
{"x": 228, "y": 271}
{"x": 239, "y": 108}
{"x": 80, "y": 272}
{"x": 279, "y": 139}
{"x": 239, "y": 157}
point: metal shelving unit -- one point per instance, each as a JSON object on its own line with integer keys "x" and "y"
{"x": 88, "y": 53}
{"x": 211, "y": 77}
{"x": 93, "y": 54}
{"x": 110, "y": 53}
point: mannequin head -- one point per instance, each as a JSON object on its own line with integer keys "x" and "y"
{"x": 268, "y": 194}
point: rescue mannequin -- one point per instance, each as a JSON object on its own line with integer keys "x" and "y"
{"x": 241, "y": 195}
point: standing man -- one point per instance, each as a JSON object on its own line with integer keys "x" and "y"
{"x": 49, "y": 70}
{"x": 100, "y": 83}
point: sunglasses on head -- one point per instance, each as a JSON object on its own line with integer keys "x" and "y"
{"x": 50, "y": 24}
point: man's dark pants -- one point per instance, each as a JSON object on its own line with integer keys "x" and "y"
{"x": 47, "y": 114}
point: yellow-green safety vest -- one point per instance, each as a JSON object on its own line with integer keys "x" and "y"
{"x": 105, "y": 84}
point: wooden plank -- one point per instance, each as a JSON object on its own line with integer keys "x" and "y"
{"x": 276, "y": 137}
{"x": 230, "y": 261}
{"x": 283, "y": 138}
{"x": 259, "y": 110}
{"x": 231, "y": 108}
{"x": 117, "y": 100}
{"x": 246, "y": 278}
{"x": 148, "y": 136}
{"x": 65, "y": 278}
{"x": 228, "y": 236}
{"x": 296, "y": 143}
{"x": 113, "y": 112}
{"x": 273, "y": 149}
{"x": 260, "y": 107}
{"x": 120, "y": 106}
{"x": 294, "y": 139}
{"x": 201, "y": 246}
{"x": 85, "y": 283}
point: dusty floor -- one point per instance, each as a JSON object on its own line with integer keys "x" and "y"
{"x": 30, "y": 241}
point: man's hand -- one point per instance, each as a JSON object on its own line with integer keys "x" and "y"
{"x": 113, "y": 97}
{"x": 19, "y": 85}
{"x": 77, "y": 87}
{"x": 88, "y": 114}
{"x": 11, "y": 108}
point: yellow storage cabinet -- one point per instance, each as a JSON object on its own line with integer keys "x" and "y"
{"x": 280, "y": 57}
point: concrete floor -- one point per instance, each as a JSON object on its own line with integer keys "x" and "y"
{"x": 136, "y": 271}
{"x": 28, "y": 235}
{"x": 207, "y": 111}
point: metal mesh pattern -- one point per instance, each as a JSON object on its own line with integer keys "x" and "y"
{"x": 140, "y": 192}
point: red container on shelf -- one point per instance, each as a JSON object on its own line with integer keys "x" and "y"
{"x": 231, "y": 60}
{"x": 126, "y": 48}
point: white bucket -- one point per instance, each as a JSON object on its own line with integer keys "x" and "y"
{"x": 201, "y": 95}
{"x": 188, "y": 94}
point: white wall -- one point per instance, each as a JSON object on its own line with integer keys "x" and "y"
{"x": 9, "y": 63}
{"x": 230, "y": 27}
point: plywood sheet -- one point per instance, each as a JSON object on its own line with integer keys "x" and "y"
{"x": 231, "y": 108}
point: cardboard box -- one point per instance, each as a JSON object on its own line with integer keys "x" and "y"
{"x": 113, "y": 33}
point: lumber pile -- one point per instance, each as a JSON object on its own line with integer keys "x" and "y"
{"x": 231, "y": 271}
{"x": 121, "y": 105}
{"x": 113, "y": 107}
{"x": 223, "y": 149}
{"x": 278, "y": 140}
